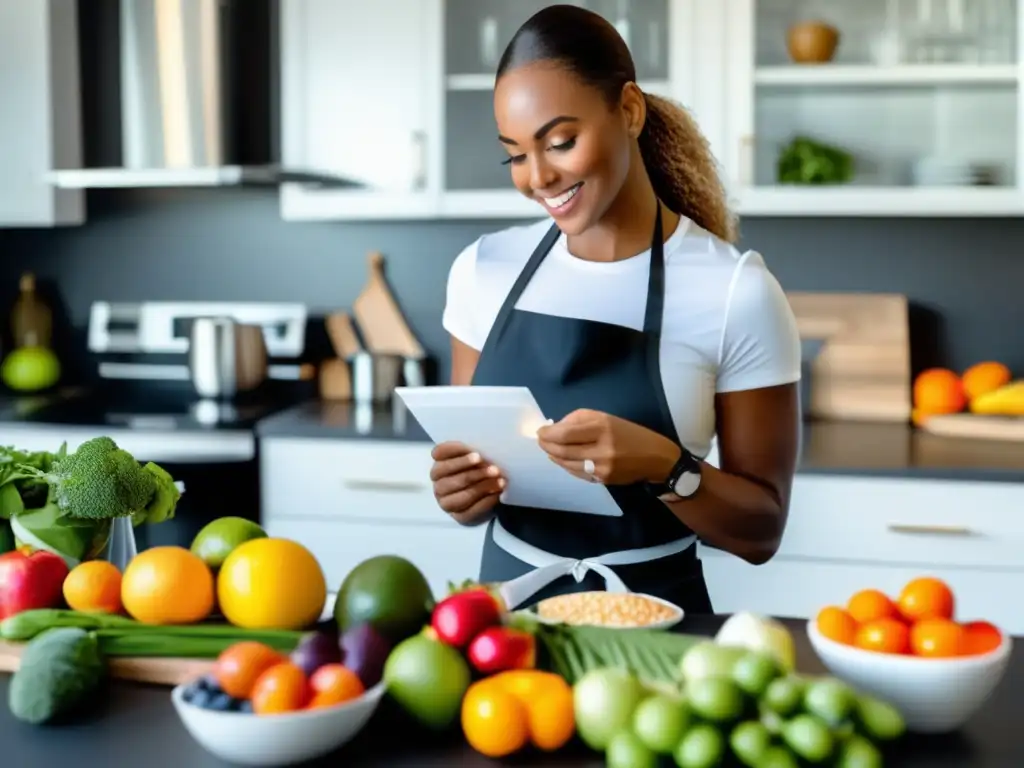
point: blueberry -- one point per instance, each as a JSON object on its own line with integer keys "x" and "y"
{"x": 245, "y": 706}
{"x": 202, "y": 698}
{"x": 220, "y": 702}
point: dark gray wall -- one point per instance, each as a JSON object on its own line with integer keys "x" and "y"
{"x": 965, "y": 277}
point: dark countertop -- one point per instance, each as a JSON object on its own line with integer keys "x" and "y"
{"x": 829, "y": 447}
{"x": 138, "y": 727}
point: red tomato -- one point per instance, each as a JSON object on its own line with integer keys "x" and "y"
{"x": 334, "y": 684}
{"x": 981, "y": 637}
{"x": 282, "y": 688}
{"x": 926, "y": 598}
{"x": 871, "y": 605}
{"x": 883, "y": 636}
{"x": 238, "y": 667}
{"x": 937, "y": 639}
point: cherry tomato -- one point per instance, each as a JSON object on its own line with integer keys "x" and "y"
{"x": 239, "y": 665}
{"x": 883, "y": 636}
{"x": 334, "y": 684}
{"x": 981, "y": 637}
{"x": 926, "y": 598}
{"x": 871, "y": 605}
{"x": 937, "y": 639}
{"x": 837, "y": 625}
{"x": 282, "y": 688}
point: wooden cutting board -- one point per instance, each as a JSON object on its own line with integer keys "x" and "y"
{"x": 380, "y": 320}
{"x": 1009, "y": 428}
{"x": 168, "y": 672}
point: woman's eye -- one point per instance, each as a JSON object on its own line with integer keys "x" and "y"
{"x": 565, "y": 145}
{"x": 514, "y": 160}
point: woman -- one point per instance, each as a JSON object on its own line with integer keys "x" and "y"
{"x": 636, "y": 324}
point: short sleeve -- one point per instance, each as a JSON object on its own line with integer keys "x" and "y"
{"x": 460, "y": 315}
{"x": 760, "y": 344}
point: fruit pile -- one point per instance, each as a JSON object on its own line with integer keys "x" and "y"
{"x": 736, "y": 704}
{"x": 921, "y": 621}
{"x": 987, "y": 388}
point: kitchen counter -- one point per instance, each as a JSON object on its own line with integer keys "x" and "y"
{"x": 829, "y": 447}
{"x": 138, "y": 727}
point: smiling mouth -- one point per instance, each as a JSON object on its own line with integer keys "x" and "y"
{"x": 564, "y": 198}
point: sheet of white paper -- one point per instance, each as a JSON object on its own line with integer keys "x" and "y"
{"x": 501, "y": 423}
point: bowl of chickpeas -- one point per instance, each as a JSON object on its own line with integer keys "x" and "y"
{"x": 624, "y": 610}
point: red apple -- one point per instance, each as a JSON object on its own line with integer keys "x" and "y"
{"x": 459, "y": 618}
{"x": 30, "y": 581}
{"x": 499, "y": 649}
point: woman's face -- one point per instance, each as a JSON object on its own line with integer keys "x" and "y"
{"x": 567, "y": 148}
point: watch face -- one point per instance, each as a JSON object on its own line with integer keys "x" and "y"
{"x": 687, "y": 484}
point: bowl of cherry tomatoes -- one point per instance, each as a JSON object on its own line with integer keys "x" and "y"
{"x": 259, "y": 707}
{"x": 912, "y": 651}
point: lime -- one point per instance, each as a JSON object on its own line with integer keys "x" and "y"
{"x": 716, "y": 699}
{"x": 218, "y": 538}
{"x": 858, "y": 752}
{"x": 809, "y": 738}
{"x": 778, "y": 757}
{"x": 879, "y": 719}
{"x": 604, "y": 701}
{"x": 626, "y": 750}
{"x": 830, "y": 700}
{"x": 749, "y": 742}
{"x": 428, "y": 680}
{"x": 708, "y": 659}
{"x": 659, "y": 722}
{"x": 753, "y": 671}
{"x": 702, "y": 747}
{"x": 30, "y": 369}
{"x": 783, "y": 695}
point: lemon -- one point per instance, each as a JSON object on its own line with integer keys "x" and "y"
{"x": 30, "y": 369}
{"x": 271, "y": 583}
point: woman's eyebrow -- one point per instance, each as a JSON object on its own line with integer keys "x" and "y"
{"x": 541, "y": 132}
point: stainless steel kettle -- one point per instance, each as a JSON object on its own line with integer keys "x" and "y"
{"x": 226, "y": 358}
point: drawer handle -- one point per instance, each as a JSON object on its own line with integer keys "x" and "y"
{"x": 385, "y": 485}
{"x": 931, "y": 530}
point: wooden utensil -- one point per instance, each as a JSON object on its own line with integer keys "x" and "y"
{"x": 343, "y": 335}
{"x": 968, "y": 425}
{"x": 380, "y": 320}
{"x": 863, "y": 369}
{"x": 168, "y": 672}
{"x": 336, "y": 375}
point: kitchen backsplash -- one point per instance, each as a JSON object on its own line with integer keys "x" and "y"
{"x": 965, "y": 277}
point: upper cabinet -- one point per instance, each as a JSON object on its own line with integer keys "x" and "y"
{"x": 879, "y": 107}
{"x": 811, "y": 107}
{"x": 40, "y": 119}
{"x": 398, "y": 96}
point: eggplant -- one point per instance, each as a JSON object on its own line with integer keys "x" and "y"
{"x": 364, "y": 651}
{"x": 316, "y": 649}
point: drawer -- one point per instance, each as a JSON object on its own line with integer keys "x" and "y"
{"x": 913, "y": 522}
{"x": 444, "y": 553}
{"x": 348, "y": 480}
{"x": 800, "y": 588}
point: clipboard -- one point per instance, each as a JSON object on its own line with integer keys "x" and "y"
{"x": 501, "y": 423}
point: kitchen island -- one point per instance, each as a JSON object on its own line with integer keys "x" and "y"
{"x": 138, "y": 727}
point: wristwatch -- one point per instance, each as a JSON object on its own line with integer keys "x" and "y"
{"x": 683, "y": 481}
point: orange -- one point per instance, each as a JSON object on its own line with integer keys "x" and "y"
{"x": 94, "y": 585}
{"x": 271, "y": 583}
{"x": 982, "y": 378}
{"x": 871, "y": 604}
{"x": 281, "y": 688}
{"x": 981, "y": 637}
{"x": 836, "y": 624}
{"x": 503, "y": 713}
{"x": 334, "y": 684}
{"x": 239, "y": 665}
{"x": 883, "y": 636}
{"x": 938, "y": 390}
{"x": 937, "y": 639}
{"x": 167, "y": 585}
{"x": 926, "y": 598}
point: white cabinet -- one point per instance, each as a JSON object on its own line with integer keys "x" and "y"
{"x": 846, "y": 534}
{"x": 398, "y": 95}
{"x": 40, "y": 123}
{"x": 350, "y": 500}
{"x": 919, "y": 100}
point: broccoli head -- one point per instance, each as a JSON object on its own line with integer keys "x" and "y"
{"x": 100, "y": 481}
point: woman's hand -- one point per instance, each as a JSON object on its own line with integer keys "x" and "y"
{"x": 622, "y": 452}
{"x": 465, "y": 486}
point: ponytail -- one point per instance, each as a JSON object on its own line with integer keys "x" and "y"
{"x": 682, "y": 169}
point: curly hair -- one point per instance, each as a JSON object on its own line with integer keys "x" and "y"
{"x": 675, "y": 153}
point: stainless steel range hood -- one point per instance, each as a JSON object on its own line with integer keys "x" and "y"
{"x": 180, "y": 86}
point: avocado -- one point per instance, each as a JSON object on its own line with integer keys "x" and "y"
{"x": 387, "y": 592}
{"x": 60, "y": 671}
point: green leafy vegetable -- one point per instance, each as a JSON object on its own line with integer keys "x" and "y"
{"x": 805, "y": 161}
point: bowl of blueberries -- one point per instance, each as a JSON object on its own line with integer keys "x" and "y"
{"x": 260, "y": 707}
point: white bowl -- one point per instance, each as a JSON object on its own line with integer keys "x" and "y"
{"x": 248, "y": 739}
{"x": 933, "y": 695}
{"x": 668, "y": 623}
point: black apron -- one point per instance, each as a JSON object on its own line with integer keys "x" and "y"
{"x": 569, "y": 364}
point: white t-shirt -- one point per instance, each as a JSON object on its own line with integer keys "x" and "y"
{"x": 726, "y": 325}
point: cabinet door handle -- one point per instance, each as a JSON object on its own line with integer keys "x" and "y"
{"x": 930, "y": 530}
{"x": 419, "y": 144}
{"x": 385, "y": 485}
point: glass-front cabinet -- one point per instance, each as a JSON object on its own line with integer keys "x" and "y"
{"x": 874, "y": 108}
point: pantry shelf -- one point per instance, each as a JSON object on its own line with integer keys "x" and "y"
{"x": 902, "y": 75}
{"x": 879, "y": 201}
